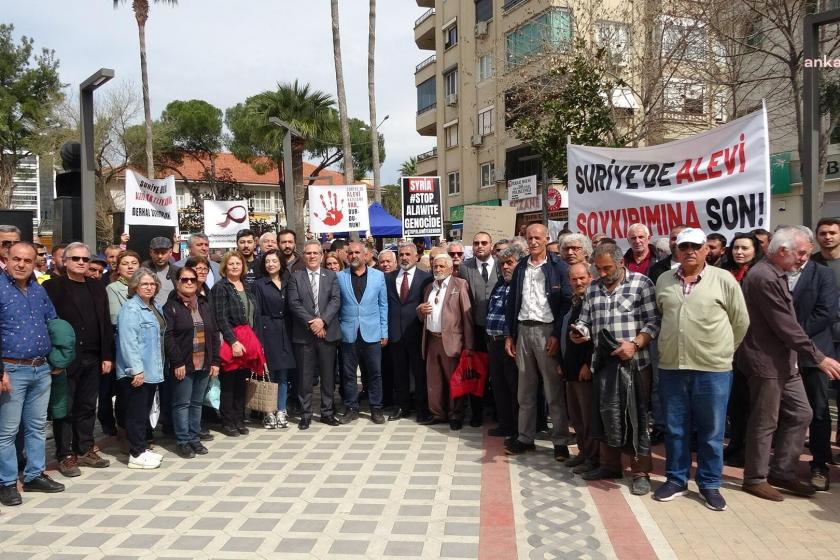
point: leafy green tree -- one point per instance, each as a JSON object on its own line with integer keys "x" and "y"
{"x": 195, "y": 128}
{"x": 29, "y": 91}
{"x": 408, "y": 168}
{"x": 392, "y": 200}
{"x": 360, "y": 139}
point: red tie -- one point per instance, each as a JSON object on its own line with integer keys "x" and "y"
{"x": 404, "y": 288}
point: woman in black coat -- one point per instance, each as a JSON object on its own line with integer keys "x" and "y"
{"x": 270, "y": 293}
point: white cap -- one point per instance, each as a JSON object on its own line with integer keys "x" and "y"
{"x": 691, "y": 235}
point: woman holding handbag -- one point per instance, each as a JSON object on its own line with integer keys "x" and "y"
{"x": 140, "y": 328}
{"x": 192, "y": 349}
{"x": 234, "y": 306}
{"x": 270, "y": 292}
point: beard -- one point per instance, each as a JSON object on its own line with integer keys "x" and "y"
{"x": 441, "y": 276}
{"x": 356, "y": 263}
{"x": 406, "y": 266}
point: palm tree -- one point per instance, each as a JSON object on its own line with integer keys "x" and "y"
{"x": 374, "y": 134}
{"x": 409, "y": 167}
{"x": 141, "y": 14}
{"x": 342, "y": 98}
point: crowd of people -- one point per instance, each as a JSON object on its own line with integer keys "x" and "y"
{"x": 611, "y": 351}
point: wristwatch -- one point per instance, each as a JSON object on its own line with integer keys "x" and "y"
{"x": 636, "y": 344}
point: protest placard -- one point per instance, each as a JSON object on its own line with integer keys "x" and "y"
{"x": 150, "y": 202}
{"x": 338, "y": 208}
{"x": 421, "y": 206}
{"x": 222, "y": 219}
{"x": 498, "y": 221}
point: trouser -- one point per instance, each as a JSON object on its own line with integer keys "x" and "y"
{"x": 109, "y": 417}
{"x": 479, "y": 345}
{"x": 505, "y": 378}
{"x": 738, "y": 411}
{"x": 320, "y": 354}
{"x": 369, "y": 353}
{"x": 657, "y": 415}
{"x": 281, "y": 377}
{"x": 780, "y": 407}
{"x": 187, "y": 399}
{"x": 816, "y": 388}
{"x": 579, "y": 397}
{"x": 610, "y": 457}
{"x": 387, "y": 369}
{"x": 232, "y": 385}
{"x": 74, "y": 432}
{"x": 138, "y": 402}
{"x": 694, "y": 402}
{"x": 24, "y": 410}
{"x": 439, "y": 370}
{"x": 534, "y": 363}
{"x": 407, "y": 355}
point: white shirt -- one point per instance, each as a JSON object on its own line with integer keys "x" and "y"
{"x": 438, "y": 291}
{"x": 211, "y": 278}
{"x": 491, "y": 263}
{"x": 534, "y": 301}
{"x": 409, "y": 273}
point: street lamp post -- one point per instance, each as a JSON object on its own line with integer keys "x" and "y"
{"x": 291, "y": 219}
{"x": 88, "y": 170}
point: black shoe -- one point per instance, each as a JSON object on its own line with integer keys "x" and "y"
{"x": 43, "y": 483}
{"x": 330, "y": 421}
{"x": 205, "y": 435}
{"x": 561, "y": 453}
{"x": 9, "y": 495}
{"x": 242, "y": 430}
{"x": 430, "y": 421}
{"x": 456, "y": 424}
{"x": 376, "y": 416}
{"x": 349, "y": 416}
{"x": 185, "y": 451}
{"x": 602, "y": 473}
{"x": 499, "y": 432}
{"x": 397, "y": 414}
{"x": 516, "y": 447}
{"x": 304, "y": 424}
{"x": 476, "y": 421}
{"x": 230, "y": 431}
{"x": 109, "y": 430}
{"x": 199, "y": 448}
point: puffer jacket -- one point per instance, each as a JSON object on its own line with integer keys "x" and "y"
{"x": 621, "y": 420}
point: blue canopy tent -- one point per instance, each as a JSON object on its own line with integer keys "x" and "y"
{"x": 383, "y": 224}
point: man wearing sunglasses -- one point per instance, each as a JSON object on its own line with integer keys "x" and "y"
{"x": 8, "y": 236}
{"x": 82, "y": 302}
{"x": 455, "y": 250}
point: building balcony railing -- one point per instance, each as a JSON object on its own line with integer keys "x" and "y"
{"x": 426, "y": 108}
{"x": 427, "y": 155}
{"x": 426, "y": 15}
{"x": 429, "y": 61}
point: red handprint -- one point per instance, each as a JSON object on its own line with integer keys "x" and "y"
{"x": 334, "y": 212}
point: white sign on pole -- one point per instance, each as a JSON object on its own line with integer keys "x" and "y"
{"x": 150, "y": 202}
{"x": 718, "y": 181}
{"x": 338, "y": 208}
{"x": 223, "y": 219}
{"x": 524, "y": 187}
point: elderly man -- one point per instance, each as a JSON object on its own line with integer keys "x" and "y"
{"x": 160, "y": 262}
{"x": 448, "y": 321}
{"x": 364, "y": 331}
{"x": 83, "y": 303}
{"x": 641, "y": 255}
{"x": 779, "y": 410}
{"x": 9, "y": 235}
{"x": 703, "y": 320}
{"x": 267, "y": 242}
{"x": 672, "y": 263}
{"x": 455, "y": 250}
{"x": 387, "y": 261}
{"x": 622, "y": 303}
{"x": 575, "y": 248}
{"x": 199, "y": 246}
{"x": 540, "y": 296}
{"x": 25, "y": 379}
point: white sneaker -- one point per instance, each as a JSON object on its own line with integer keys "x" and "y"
{"x": 145, "y": 460}
{"x": 269, "y": 422}
{"x": 157, "y": 456}
{"x": 282, "y": 422}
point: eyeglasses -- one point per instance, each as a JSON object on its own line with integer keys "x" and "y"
{"x": 187, "y": 280}
{"x": 690, "y": 246}
{"x": 575, "y": 249}
{"x": 456, "y": 254}
{"x": 481, "y": 243}
{"x": 42, "y": 254}
{"x": 77, "y": 258}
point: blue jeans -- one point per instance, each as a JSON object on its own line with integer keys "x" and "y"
{"x": 25, "y": 407}
{"x": 351, "y": 354}
{"x": 187, "y": 399}
{"x": 281, "y": 377}
{"x": 694, "y": 401}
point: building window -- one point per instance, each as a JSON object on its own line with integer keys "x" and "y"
{"x": 266, "y": 202}
{"x": 487, "y": 172}
{"x": 615, "y": 38}
{"x": 182, "y": 198}
{"x": 683, "y": 39}
{"x": 552, "y": 30}
{"x": 450, "y": 135}
{"x": 684, "y": 96}
{"x": 426, "y": 95}
{"x": 485, "y": 67}
{"x": 450, "y": 36}
{"x": 450, "y": 83}
{"x": 485, "y": 121}
{"x": 453, "y": 180}
{"x": 483, "y": 10}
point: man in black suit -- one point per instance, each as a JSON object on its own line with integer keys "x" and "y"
{"x": 405, "y": 292}
{"x": 82, "y": 302}
{"x": 314, "y": 300}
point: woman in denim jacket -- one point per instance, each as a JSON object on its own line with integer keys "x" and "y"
{"x": 140, "y": 328}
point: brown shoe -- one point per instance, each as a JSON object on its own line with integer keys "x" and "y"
{"x": 794, "y": 486}
{"x": 764, "y": 491}
{"x": 819, "y": 480}
{"x": 93, "y": 459}
{"x": 68, "y": 467}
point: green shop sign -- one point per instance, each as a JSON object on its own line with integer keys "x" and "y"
{"x": 456, "y": 213}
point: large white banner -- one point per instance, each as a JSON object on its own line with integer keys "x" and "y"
{"x": 338, "y": 208}
{"x": 223, "y": 219}
{"x": 718, "y": 180}
{"x": 150, "y": 202}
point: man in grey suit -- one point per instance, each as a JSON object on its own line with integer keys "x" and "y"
{"x": 481, "y": 273}
{"x": 199, "y": 246}
{"x": 314, "y": 301}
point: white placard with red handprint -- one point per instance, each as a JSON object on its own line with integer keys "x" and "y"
{"x": 338, "y": 208}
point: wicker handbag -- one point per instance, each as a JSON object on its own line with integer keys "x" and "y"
{"x": 262, "y": 393}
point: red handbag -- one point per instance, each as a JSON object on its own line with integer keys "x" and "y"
{"x": 470, "y": 377}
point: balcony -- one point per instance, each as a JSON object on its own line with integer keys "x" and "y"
{"x": 426, "y": 3}
{"x": 424, "y": 31}
{"x": 431, "y": 154}
{"x": 429, "y": 165}
{"x": 425, "y": 70}
{"x": 427, "y": 121}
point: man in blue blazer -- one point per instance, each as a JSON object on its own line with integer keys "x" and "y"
{"x": 364, "y": 330}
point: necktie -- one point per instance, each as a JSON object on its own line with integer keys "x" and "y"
{"x": 484, "y": 273}
{"x": 404, "y": 288}
{"x": 312, "y": 277}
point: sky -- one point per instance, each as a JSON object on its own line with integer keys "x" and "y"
{"x": 225, "y": 51}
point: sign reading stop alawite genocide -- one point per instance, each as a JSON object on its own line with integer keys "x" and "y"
{"x": 422, "y": 213}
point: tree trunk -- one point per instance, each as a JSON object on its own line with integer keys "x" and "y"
{"x": 374, "y": 133}
{"x": 8, "y": 164}
{"x": 147, "y": 108}
{"x": 342, "y": 99}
